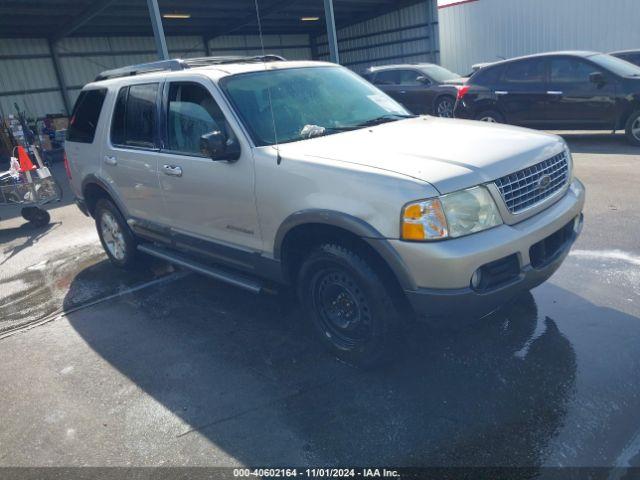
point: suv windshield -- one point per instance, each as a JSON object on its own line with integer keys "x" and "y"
{"x": 438, "y": 73}
{"x": 307, "y": 102}
{"x": 616, "y": 65}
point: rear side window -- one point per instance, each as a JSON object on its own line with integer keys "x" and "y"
{"x": 525, "y": 71}
{"x": 387, "y": 77}
{"x": 134, "y": 116}
{"x": 487, "y": 76}
{"x": 86, "y": 112}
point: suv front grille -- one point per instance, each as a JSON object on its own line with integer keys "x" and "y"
{"x": 532, "y": 185}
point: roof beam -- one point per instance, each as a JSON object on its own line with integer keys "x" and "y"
{"x": 94, "y": 9}
{"x": 252, "y": 18}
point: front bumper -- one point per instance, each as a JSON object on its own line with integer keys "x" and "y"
{"x": 442, "y": 271}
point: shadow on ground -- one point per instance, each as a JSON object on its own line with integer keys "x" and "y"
{"x": 604, "y": 143}
{"x": 242, "y": 371}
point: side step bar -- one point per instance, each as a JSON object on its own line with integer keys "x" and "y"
{"x": 236, "y": 279}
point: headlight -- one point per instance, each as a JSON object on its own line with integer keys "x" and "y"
{"x": 450, "y": 216}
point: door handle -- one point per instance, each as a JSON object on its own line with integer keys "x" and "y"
{"x": 110, "y": 160}
{"x": 501, "y": 92}
{"x": 403, "y": 91}
{"x": 172, "y": 170}
{"x": 554, "y": 92}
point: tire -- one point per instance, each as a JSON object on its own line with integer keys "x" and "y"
{"x": 116, "y": 237}
{"x": 349, "y": 306}
{"x": 490, "y": 116}
{"x": 633, "y": 128}
{"x": 36, "y": 216}
{"x": 444, "y": 107}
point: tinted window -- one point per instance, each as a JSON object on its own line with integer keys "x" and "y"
{"x": 134, "y": 117}
{"x": 192, "y": 113}
{"x": 570, "y": 70}
{"x": 409, "y": 77}
{"x": 525, "y": 71}
{"x": 86, "y": 112}
{"x": 487, "y": 76}
{"x": 117, "y": 125}
{"x": 387, "y": 77}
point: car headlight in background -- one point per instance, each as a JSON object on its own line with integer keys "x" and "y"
{"x": 450, "y": 216}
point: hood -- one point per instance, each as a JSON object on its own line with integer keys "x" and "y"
{"x": 449, "y": 154}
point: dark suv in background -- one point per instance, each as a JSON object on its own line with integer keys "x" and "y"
{"x": 424, "y": 88}
{"x": 563, "y": 90}
{"x": 632, "y": 56}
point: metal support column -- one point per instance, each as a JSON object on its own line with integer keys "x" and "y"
{"x": 205, "y": 42}
{"x": 62, "y": 85}
{"x": 332, "y": 36}
{"x": 158, "y": 31}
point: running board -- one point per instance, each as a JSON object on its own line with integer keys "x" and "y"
{"x": 232, "y": 278}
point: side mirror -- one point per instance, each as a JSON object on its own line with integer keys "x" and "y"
{"x": 219, "y": 147}
{"x": 423, "y": 79}
{"x": 597, "y": 78}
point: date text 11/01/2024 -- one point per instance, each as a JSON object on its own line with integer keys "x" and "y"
{"x": 316, "y": 472}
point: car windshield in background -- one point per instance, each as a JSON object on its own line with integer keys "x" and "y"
{"x": 439, "y": 74}
{"x": 307, "y": 102}
{"x": 616, "y": 65}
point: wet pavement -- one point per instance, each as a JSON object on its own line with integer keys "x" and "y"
{"x": 168, "y": 368}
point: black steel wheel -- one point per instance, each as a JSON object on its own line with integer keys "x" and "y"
{"x": 350, "y": 305}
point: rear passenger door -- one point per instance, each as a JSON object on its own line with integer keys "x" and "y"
{"x": 522, "y": 92}
{"x": 389, "y": 82}
{"x": 130, "y": 158}
{"x": 206, "y": 199}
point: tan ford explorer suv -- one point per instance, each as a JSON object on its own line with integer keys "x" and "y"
{"x": 259, "y": 171}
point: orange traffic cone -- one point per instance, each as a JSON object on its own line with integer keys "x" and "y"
{"x": 25, "y": 161}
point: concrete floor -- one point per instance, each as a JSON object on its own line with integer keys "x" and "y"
{"x": 169, "y": 368}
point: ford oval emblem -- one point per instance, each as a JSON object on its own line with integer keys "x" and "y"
{"x": 544, "y": 182}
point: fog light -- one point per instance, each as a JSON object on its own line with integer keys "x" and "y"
{"x": 476, "y": 279}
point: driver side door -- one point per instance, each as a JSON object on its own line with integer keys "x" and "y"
{"x": 204, "y": 199}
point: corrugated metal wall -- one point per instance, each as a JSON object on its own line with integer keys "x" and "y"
{"x": 28, "y": 78}
{"x": 486, "y": 30}
{"x": 407, "y": 35}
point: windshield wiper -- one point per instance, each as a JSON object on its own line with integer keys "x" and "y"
{"x": 372, "y": 122}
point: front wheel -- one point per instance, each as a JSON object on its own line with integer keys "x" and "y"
{"x": 444, "y": 107}
{"x": 349, "y": 306}
{"x": 633, "y": 128}
{"x": 116, "y": 238}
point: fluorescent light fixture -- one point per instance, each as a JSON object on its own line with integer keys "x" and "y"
{"x": 309, "y": 19}
{"x": 176, "y": 15}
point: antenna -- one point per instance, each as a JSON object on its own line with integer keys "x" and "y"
{"x": 273, "y": 117}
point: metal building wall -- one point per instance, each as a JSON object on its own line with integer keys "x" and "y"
{"x": 487, "y": 30}
{"x": 27, "y": 75}
{"x": 407, "y": 35}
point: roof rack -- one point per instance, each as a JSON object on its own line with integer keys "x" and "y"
{"x": 183, "y": 64}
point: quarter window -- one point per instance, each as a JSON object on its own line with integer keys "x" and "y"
{"x": 192, "y": 112}
{"x": 134, "y": 117}
{"x": 84, "y": 119}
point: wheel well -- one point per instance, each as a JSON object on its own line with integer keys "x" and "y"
{"x": 300, "y": 240}
{"x": 93, "y": 192}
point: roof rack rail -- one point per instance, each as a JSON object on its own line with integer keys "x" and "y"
{"x": 183, "y": 64}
